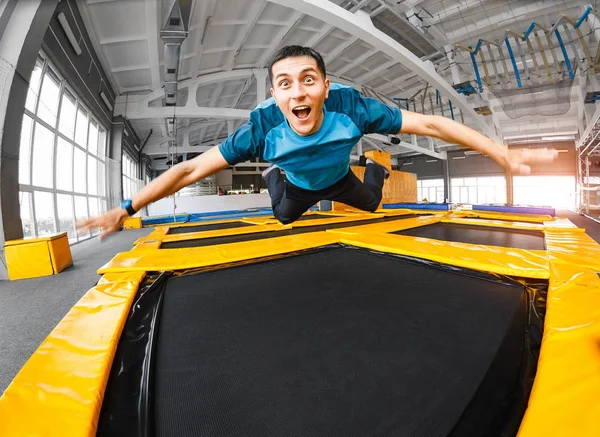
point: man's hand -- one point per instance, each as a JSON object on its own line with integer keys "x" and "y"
{"x": 108, "y": 222}
{"x": 517, "y": 160}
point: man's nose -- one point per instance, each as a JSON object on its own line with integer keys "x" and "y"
{"x": 298, "y": 91}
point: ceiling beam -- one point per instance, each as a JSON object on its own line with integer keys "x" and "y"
{"x": 373, "y": 73}
{"x": 243, "y": 36}
{"x": 279, "y": 37}
{"x": 191, "y": 111}
{"x": 396, "y": 149}
{"x": 152, "y": 39}
{"x": 356, "y": 62}
{"x": 205, "y": 14}
{"x": 452, "y": 11}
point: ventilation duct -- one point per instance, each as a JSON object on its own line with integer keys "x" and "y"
{"x": 174, "y": 30}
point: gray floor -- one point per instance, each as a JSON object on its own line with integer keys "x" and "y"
{"x": 31, "y": 308}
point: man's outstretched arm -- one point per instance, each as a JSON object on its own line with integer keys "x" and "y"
{"x": 515, "y": 160}
{"x": 171, "y": 181}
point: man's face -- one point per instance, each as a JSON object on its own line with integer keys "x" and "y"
{"x": 300, "y": 91}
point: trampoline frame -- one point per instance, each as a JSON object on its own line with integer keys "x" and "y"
{"x": 78, "y": 352}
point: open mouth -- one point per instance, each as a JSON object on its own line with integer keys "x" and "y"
{"x": 302, "y": 112}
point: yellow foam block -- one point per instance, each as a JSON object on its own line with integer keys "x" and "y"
{"x": 35, "y": 257}
{"x": 132, "y": 223}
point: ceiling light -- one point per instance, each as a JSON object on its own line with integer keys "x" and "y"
{"x": 459, "y": 157}
{"x": 106, "y": 101}
{"x": 558, "y": 138}
{"x": 431, "y": 160}
{"x": 65, "y": 25}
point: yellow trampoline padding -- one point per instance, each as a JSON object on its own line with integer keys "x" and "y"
{"x": 391, "y": 226}
{"x": 494, "y": 223}
{"x": 59, "y": 391}
{"x": 564, "y": 399}
{"x": 504, "y": 216}
{"x": 223, "y": 232}
{"x": 186, "y": 258}
{"x": 492, "y": 259}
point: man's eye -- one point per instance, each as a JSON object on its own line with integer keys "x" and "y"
{"x": 309, "y": 79}
{"x": 284, "y": 83}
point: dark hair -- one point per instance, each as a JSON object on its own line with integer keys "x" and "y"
{"x": 295, "y": 51}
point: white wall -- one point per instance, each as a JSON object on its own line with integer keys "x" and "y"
{"x": 193, "y": 204}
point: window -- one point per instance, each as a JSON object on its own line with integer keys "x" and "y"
{"x": 49, "y": 96}
{"x": 64, "y": 165}
{"x": 68, "y": 113}
{"x": 34, "y": 85}
{"x": 430, "y": 190}
{"x": 479, "y": 190}
{"x": 131, "y": 181}
{"x": 62, "y": 157}
{"x": 43, "y": 151}
{"x": 553, "y": 191}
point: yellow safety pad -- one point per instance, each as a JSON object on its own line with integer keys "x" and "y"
{"x": 266, "y": 220}
{"x": 493, "y": 259}
{"x": 148, "y": 245}
{"x": 340, "y": 219}
{"x": 59, "y": 391}
{"x": 494, "y": 223}
{"x": 186, "y": 258}
{"x": 391, "y": 226}
{"x": 564, "y": 399}
{"x": 560, "y": 223}
{"x": 161, "y": 231}
{"x": 223, "y": 232}
{"x": 538, "y": 218}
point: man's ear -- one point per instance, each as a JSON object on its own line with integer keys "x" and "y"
{"x": 326, "y": 87}
{"x": 273, "y": 95}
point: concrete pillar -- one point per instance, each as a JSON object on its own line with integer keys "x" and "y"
{"x": 115, "y": 171}
{"x": 509, "y": 188}
{"x": 20, "y": 42}
{"x": 261, "y": 85}
{"x": 446, "y": 176}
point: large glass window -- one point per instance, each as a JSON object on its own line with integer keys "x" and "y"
{"x": 49, "y": 96}
{"x": 554, "y": 191}
{"x": 62, "y": 157}
{"x": 478, "y": 190}
{"x": 430, "y": 190}
{"x": 43, "y": 151}
{"x": 131, "y": 176}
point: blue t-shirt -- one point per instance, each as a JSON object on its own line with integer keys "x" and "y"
{"x": 319, "y": 160}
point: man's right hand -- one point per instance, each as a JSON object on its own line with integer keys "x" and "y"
{"x": 108, "y": 222}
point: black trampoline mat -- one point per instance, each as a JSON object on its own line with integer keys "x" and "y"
{"x": 473, "y": 234}
{"x": 364, "y": 345}
{"x": 252, "y": 236}
{"x": 208, "y": 227}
